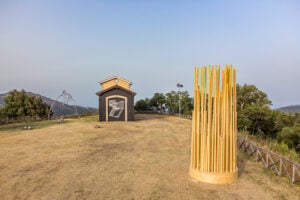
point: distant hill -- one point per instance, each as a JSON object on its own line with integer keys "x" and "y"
{"x": 58, "y": 108}
{"x": 290, "y": 109}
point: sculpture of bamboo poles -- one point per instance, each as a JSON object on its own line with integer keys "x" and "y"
{"x": 214, "y": 126}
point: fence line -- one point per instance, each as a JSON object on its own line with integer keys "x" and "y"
{"x": 269, "y": 159}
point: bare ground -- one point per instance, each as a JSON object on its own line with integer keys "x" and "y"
{"x": 145, "y": 159}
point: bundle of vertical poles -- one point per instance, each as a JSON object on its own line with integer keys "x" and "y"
{"x": 214, "y": 128}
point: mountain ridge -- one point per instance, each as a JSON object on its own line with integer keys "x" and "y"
{"x": 290, "y": 109}
{"x": 59, "y": 108}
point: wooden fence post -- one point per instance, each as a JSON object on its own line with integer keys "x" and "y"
{"x": 271, "y": 160}
{"x": 293, "y": 175}
{"x": 280, "y": 167}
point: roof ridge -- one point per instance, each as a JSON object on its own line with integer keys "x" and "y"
{"x": 115, "y": 77}
{"x": 113, "y": 87}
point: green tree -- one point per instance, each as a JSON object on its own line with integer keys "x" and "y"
{"x": 186, "y": 102}
{"x": 243, "y": 122}
{"x": 260, "y": 119}
{"x": 20, "y": 104}
{"x": 291, "y": 137}
{"x": 248, "y": 95}
{"x": 1, "y": 112}
{"x": 255, "y": 115}
{"x": 263, "y": 120}
{"x": 281, "y": 120}
{"x": 143, "y": 105}
{"x": 296, "y": 118}
{"x": 172, "y": 102}
{"x": 14, "y": 103}
{"x": 157, "y": 101}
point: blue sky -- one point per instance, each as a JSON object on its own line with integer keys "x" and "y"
{"x": 48, "y": 46}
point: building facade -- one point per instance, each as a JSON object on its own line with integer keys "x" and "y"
{"x": 116, "y": 100}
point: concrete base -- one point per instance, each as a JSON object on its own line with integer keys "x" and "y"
{"x": 214, "y": 178}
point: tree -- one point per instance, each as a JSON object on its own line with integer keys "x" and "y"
{"x": 281, "y": 120}
{"x": 14, "y": 103}
{"x": 250, "y": 95}
{"x": 260, "y": 119}
{"x": 296, "y": 118}
{"x": 172, "y": 102}
{"x": 255, "y": 114}
{"x": 143, "y": 105}
{"x": 158, "y": 101}
{"x": 186, "y": 102}
{"x": 243, "y": 122}
{"x": 291, "y": 137}
{"x": 1, "y": 112}
{"x": 20, "y": 104}
{"x": 264, "y": 120}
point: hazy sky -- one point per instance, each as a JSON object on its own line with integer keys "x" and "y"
{"x": 48, "y": 46}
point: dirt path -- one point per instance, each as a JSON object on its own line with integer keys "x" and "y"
{"x": 145, "y": 159}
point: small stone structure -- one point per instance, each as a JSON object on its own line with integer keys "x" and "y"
{"x": 116, "y": 100}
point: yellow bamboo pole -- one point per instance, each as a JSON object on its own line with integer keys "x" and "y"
{"x": 218, "y": 123}
{"x": 209, "y": 121}
{"x": 213, "y": 145}
{"x": 202, "y": 119}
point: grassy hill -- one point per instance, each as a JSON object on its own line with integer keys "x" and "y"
{"x": 145, "y": 159}
{"x": 290, "y": 109}
{"x": 59, "y": 108}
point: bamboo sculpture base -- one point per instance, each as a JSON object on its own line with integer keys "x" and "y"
{"x": 214, "y": 178}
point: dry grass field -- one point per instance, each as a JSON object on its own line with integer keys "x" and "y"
{"x": 145, "y": 159}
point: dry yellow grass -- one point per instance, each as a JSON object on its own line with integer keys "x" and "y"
{"x": 145, "y": 159}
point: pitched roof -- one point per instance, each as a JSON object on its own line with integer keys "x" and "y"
{"x": 116, "y": 87}
{"x": 115, "y": 77}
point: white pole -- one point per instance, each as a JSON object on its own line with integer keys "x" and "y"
{"x": 179, "y": 98}
{"x": 179, "y": 103}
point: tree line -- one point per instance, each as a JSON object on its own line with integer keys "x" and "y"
{"x": 19, "y": 104}
{"x": 168, "y": 102}
{"x": 254, "y": 114}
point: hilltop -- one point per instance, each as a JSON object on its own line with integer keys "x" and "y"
{"x": 145, "y": 159}
{"x": 58, "y": 107}
{"x": 290, "y": 109}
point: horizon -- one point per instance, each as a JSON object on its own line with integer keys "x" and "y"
{"x": 52, "y": 98}
{"x": 51, "y": 46}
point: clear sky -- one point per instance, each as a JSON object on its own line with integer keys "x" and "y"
{"x": 48, "y": 46}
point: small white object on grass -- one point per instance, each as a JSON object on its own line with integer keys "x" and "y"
{"x": 194, "y": 180}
